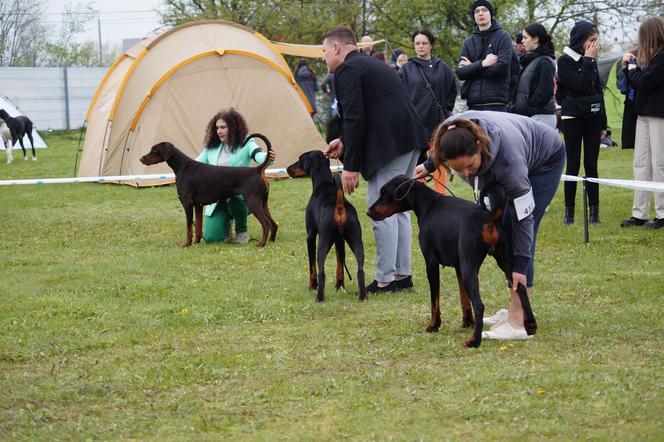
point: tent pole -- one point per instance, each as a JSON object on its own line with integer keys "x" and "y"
{"x": 78, "y": 148}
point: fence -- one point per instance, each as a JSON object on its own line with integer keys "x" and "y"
{"x": 53, "y": 98}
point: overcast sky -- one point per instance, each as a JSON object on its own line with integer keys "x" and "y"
{"x": 119, "y": 19}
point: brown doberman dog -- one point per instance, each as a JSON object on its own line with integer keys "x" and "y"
{"x": 199, "y": 184}
{"x": 330, "y": 217}
{"x": 456, "y": 233}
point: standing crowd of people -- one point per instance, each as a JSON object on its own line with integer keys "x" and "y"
{"x": 508, "y": 136}
{"x": 397, "y": 118}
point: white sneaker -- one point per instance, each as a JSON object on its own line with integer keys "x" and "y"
{"x": 506, "y": 332}
{"x": 242, "y": 238}
{"x": 500, "y": 316}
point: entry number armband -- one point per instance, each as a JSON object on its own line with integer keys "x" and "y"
{"x": 524, "y": 205}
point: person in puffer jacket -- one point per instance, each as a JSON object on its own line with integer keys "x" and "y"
{"x": 534, "y": 90}
{"x": 484, "y": 63}
{"x": 581, "y": 97}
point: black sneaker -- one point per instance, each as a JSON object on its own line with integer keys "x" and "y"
{"x": 657, "y": 223}
{"x": 629, "y": 222}
{"x": 406, "y": 283}
{"x": 374, "y": 288}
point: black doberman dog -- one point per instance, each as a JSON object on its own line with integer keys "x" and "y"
{"x": 18, "y": 128}
{"x": 456, "y": 233}
{"x": 330, "y": 216}
{"x": 199, "y": 184}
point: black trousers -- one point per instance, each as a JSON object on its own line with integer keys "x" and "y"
{"x": 584, "y": 131}
{"x": 628, "y": 126}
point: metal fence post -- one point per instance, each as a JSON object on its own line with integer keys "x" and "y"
{"x": 66, "y": 84}
{"x": 585, "y": 211}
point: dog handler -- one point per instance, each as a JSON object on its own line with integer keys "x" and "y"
{"x": 526, "y": 158}
{"x": 225, "y": 135}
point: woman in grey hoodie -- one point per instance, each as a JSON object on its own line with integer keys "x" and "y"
{"x": 523, "y": 156}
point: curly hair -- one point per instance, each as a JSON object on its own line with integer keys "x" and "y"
{"x": 459, "y": 138}
{"x": 237, "y": 129}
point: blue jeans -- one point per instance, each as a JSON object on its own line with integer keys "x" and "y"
{"x": 544, "y": 187}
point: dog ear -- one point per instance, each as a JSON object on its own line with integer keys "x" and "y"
{"x": 402, "y": 190}
{"x": 166, "y": 149}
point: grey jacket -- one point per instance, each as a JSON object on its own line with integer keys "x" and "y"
{"x": 520, "y": 148}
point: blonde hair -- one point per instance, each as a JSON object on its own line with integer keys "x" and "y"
{"x": 458, "y": 138}
{"x": 651, "y": 40}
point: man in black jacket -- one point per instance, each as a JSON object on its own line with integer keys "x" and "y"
{"x": 381, "y": 138}
{"x": 484, "y": 63}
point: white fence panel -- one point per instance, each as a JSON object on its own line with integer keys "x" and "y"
{"x": 47, "y": 99}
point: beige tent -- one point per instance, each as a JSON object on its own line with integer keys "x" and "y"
{"x": 167, "y": 88}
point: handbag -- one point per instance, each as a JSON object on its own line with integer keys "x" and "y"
{"x": 442, "y": 115}
{"x": 591, "y": 104}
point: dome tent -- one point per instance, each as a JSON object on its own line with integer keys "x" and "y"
{"x": 14, "y": 111}
{"x": 167, "y": 87}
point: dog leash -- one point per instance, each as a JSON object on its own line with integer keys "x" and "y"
{"x": 411, "y": 182}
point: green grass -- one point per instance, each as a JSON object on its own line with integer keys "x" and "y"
{"x": 108, "y": 330}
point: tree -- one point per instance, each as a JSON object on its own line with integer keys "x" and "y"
{"x": 21, "y": 31}
{"x": 64, "y": 49}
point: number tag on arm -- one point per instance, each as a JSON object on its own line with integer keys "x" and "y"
{"x": 524, "y": 205}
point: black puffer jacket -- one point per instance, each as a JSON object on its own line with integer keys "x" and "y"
{"x": 534, "y": 90}
{"x": 442, "y": 81}
{"x": 486, "y": 86}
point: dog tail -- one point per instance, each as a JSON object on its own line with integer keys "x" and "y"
{"x": 339, "y": 206}
{"x": 261, "y": 167}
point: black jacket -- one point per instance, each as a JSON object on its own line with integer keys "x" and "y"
{"x": 486, "y": 86}
{"x": 379, "y": 121}
{"x": 579, "y": 86}
{"x": 534, "y": 90}
{"x": 649, "y": 85}
{"x": 443, "y": 84}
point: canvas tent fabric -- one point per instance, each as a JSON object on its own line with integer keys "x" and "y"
{"x": 308, "y": 51}
{"x": 613, "y": 99}
{"x": 14, "y": 111}
{"x": 167, "y": 87}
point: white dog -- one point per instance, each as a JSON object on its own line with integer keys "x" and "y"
{"x": 6, "y": 137}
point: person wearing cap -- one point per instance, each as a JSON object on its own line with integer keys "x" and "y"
{"x": 581, "y": 97}
{"x": 484, "y": 63}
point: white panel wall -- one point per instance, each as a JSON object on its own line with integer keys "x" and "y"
{"x": 40, "y": 93}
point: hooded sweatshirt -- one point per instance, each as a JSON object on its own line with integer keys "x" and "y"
{"x": 520, "y": 148}
{"x": 486, "y": 86}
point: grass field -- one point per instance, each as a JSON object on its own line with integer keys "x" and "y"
{"x": 109, "y": 330}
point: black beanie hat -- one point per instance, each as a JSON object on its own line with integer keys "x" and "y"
{"x": 478, "y": 3}
{"x": 579, "y": 34}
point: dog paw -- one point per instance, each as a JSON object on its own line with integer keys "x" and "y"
{"x": 185, "y": 245}
{"x": 467, "y": 323}
{"x": 432, "y": 328}
{"x": 472, "y": 343}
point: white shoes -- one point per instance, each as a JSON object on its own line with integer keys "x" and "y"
{"x": 500, "y": 316}
{"x": 504, "y": 331}
{"x": 242, "y": 238}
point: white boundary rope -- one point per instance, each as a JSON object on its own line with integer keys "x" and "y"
{"x": 629, "y": 184}
{"x": 131, "y": 178}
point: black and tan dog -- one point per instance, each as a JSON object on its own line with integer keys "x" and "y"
{"x": 330, "y": 217}
{"x": 199, "y": 184}
{"x": 455, "y": 233}
{"x": 18, "y": 128}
